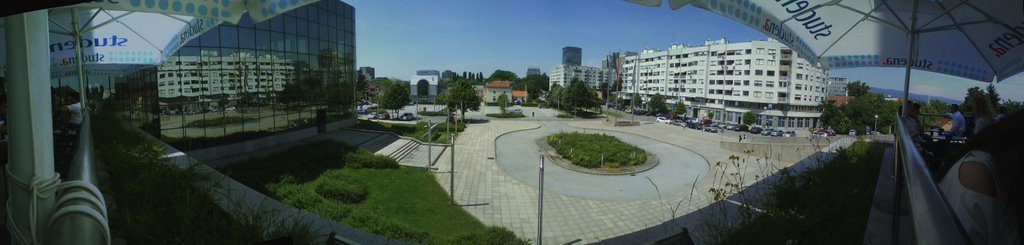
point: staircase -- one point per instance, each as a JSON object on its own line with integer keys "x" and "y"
{"x": 404, "y": 150}
{"x": 379, "y": 142}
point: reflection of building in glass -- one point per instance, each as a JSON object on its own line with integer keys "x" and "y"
{"x": 250, "y": 77}
{"x": 210, "y": 77}
{"x": 368, "y": 72}
{"x": 424, "y": 84}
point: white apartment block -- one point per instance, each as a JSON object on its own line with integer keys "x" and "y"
{"x": 837, "y": 86}
{"x": 211, "y": 77}
{"x": 592, "y": 76}
{"x": 729, "y": 79}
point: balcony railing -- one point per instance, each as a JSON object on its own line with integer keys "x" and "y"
{"x": 81, "y": 211}
{"x": 934, "y": 221}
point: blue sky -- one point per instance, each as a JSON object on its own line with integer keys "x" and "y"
{"x": 400, "y": 37}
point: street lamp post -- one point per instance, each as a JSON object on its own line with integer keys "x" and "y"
{"x": 876, "y": 123}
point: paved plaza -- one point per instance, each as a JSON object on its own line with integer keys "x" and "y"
{"x": 499, "y": 186}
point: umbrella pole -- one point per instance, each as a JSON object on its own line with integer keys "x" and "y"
{"x": 77, "y": 35}
{"x": 897, "y": 169}
{"x": 30, "y": 174}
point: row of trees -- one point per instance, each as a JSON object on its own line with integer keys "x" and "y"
{"x": 577, "y": 95}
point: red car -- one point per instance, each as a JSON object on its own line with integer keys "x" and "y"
{"x": 383, "y": 116}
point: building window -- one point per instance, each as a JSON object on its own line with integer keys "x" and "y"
{"x": 760, "y": 62}
{"x": 771, "y": 73}
{"x": 758, "y": 72}
{"x": 757, "y": 94}
{"x": 769, "y": 84}
{"x": 760, "y": 50}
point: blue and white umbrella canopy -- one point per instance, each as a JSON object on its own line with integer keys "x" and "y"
{"x": 121, "y": 36}
{"x": 979, "y": 39}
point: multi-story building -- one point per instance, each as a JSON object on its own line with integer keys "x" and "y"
{"x": 368, "y": 72}
{"x": 724, "y": 80}
{"x": 592, "y": 76}
{"x": 572, "y": 56}
{"x": 532, "y": 71}
{"x": 448, "y": 75}
{"x": 837, "y": 86}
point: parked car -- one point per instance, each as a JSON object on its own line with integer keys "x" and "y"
{"x": 711, "y": 129}
{"x": 541, "y": 106}
{"x": 742, "y": 128}
{"x": 853, "y": 132}
{"x": 678, "y": 122}
{"x": 662, "y": 114}
{"x": 766, "y": 132}
{"x": 407, "y": 117}
{"x": 383, "y": 116}
{"x": 360, "y": 111}
{"x": 775, "y": 133}
{"x": 756, "y": 130}
{"x": 663, "y": 120}
{"x": 789, "y": 134}
{"x": 516, "y": 111}
{"x": 230, "y": 108}
{"x": 373, "y": 115}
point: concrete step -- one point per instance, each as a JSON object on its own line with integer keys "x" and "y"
{"x": 393, "y": 147}
{"x": 379, "y": 142}
{"x": 405, "y": 150}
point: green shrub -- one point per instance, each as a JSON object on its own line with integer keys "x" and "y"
{"x": 190, "y": 143}
{"x": 365, "y": 159}
{"x": 564, "y": 115}
{"x": 586, "y": 150}
{"x": 294, "y": 194}
{"x": 219, "y": 121}
{"x": 490, "y": 235}
{"x": 341, "y": 189}
{"x": 506, "y": 115}
{"x": 433, "y": 113}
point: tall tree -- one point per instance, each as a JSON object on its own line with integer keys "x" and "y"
{"x": 993, "y": 96}
{"x": 463, "y": 96}
{"x": 361, "y": 86}
{"x": 657, "y": 103}
{"x": 503, "y": 75}
{"x": 749, "y": 118}
{"x": 603, "y": 89}
{"x": 479, "y": 76}
{"x": 580, "y": 96}
{"x": 395, "y": 97}
{"x": 555, "y": 96}
{"x": 972, "y": 93}
{"x": 831, "y": 116}
{"x": 502, "y": 102}
{"x": 680, "y": 108}
{"x": 857, "y": 88}
{"x": 934, "y": 107}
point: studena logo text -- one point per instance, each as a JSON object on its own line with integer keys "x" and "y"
{"x": 87, "y": 43}
{"x": 810, "y": 19}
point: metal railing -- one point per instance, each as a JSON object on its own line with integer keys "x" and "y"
{"x": 80, "y": 216}
{"x": 933, "y": 219}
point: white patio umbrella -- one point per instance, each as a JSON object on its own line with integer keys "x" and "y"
{"x": 979, "y": 40}
{"x": 118, "y": 35}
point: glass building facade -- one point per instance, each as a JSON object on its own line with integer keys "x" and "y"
{"x": 248, "y": 79}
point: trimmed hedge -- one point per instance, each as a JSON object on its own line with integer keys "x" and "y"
{"x": 342, "y": 189}
{"x": 506, "y": 115}
{"x": 586, "y": 150}
{"x": 564, "y": 115}
{"x": 365, "y": 159}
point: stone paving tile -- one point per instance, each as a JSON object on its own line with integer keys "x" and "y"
{"x": 500, "y": 200}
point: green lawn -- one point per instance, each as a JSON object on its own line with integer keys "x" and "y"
{"x": 418, "y": 130}
{"x": 826, "y": 205}
{"x": 405, "y": 203}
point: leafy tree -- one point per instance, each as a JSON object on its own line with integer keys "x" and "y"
{"x": 857, "y": 88}
{"x": 934, "y": 107}
{"x": 680, "y": 107}
{"x": 555, "y": 96}
{"x": 503, "y": 75}
{"x": 579, "y": 96}
{"x": 831, "y": 116}
{"x": 502, "y": 101}
{"x": 968, "y": 104}
{"x": 302, "y": 90}
{"x": 993, "y": 96}
{"x": 461, "y": 95}
{"x": 861, "y": 112}
{"x": 533, "y": 84}
{"x": 749, "y": 118}
{"x": 1012, "y": 106}
{"x": 395, "y": 97}
{"x": 657, "y": 103}
{"x": 618, "y": 85}
{"x": 361, "y": 86}
{"x": 636, "y": 102}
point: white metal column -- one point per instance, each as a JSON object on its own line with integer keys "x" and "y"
{"x": 32, "y": 178}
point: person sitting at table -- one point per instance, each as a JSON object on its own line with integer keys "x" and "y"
{"x": 923, "y": 142}
{"x": 982, "y": 114}
{"x": 982, "y": 183}
{"x": 959, "y": 123}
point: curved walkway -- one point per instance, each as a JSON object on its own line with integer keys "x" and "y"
{"x": 490, "y": 193}
{"x": 678, "y": 170}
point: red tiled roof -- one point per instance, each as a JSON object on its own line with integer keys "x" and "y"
{"x": 519, "y": 93}
{"x": 840, "y": 100}
{"x": 499, "y": 84}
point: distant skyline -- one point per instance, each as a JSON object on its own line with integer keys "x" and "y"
{"x": 398, "y": 38}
